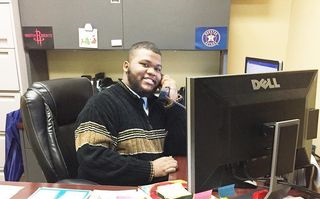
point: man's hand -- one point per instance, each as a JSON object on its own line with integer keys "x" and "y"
{"x": 167, "y": 81}
{"x": 164, "y": 165}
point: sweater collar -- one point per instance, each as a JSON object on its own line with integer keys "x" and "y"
{"x": 144, "y": 99}
{"x": 133, "y": 94}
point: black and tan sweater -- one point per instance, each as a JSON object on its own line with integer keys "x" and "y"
{"x": 116, "y": 139}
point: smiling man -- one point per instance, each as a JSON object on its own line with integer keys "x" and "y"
{"x": 125, "y": 135}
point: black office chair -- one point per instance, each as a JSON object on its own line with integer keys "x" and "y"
{"x": 49, "y": 110}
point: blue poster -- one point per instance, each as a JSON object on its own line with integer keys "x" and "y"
{"x": 211, "y": 38}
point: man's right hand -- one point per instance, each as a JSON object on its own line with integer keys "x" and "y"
{"x": 164, "y": 165}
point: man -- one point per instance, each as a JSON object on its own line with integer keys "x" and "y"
{"x": 125, "y": 135}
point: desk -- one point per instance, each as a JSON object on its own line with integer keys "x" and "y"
{"x": 31, "y": 187}
{"x": 182, "y": 173}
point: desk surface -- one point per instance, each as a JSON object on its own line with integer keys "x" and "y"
{"x": 31, "y": 187}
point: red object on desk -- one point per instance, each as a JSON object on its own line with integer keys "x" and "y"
{"x": 261, "y": 194}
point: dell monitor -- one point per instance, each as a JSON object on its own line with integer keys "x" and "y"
{"x": 232, "y": 122}
{"x": 261, "y": 65}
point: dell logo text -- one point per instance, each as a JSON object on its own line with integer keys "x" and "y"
{"x": 269, "y": 83}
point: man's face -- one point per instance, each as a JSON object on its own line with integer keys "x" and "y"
{"x": 143, "y": 71}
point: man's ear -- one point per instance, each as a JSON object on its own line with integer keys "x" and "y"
{"x": 125, "y": 66}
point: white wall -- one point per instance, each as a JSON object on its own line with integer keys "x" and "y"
{"x": 303, "y": 51}
{"x": 286, "y": 30}
{"x": 257, "y": 28}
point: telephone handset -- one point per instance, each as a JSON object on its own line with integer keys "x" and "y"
{"x": 164, "y": 96}
{"x": 164, "y": 93}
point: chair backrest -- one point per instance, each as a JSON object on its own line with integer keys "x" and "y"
{"x": 49, "y": 110}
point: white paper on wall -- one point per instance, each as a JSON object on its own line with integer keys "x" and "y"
{"x": 88, "y": 37}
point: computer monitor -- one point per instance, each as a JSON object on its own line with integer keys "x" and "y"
{"x": 261, "y": 65}
{"x": 231, "y": 121}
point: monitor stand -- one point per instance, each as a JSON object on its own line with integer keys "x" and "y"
{"x": 285, "y": 133}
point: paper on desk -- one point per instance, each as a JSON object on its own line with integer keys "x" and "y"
{"x": 7, "y": 191}
{"x": 173, "y": 191}
{"x": 119, "y": 194}
{"x": 60, "y": 193}
{"x": 151, "y": 189}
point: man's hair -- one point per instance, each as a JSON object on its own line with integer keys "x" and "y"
{"x": 144, "y": 45}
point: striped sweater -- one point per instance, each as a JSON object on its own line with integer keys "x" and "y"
{"x": 116, "y": 140}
